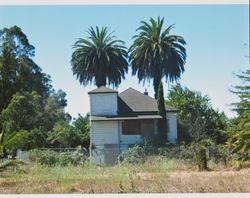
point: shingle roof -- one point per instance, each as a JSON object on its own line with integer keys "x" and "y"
{"x": 102, "y": 89}
{"x": 132, "y": 101}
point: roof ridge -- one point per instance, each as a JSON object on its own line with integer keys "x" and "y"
{"x": 126, "y": 90}
{"x": 136, "y": 91}
{"x": 103, "y": 89}
{"x": 134, "y": 100}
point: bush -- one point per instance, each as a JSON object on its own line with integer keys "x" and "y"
{"x": 65, "y": 159}
{"x": 11, "y": 164}
{"x": 200, "y": 157}
{"x": 177, "y": 151}
{"x": 194, "y": 153}
{"x": 44, "y": 157}
{"x": 134, "y": 155}
{"x": 219, "y": 153}
{"x": 52, "y": 158}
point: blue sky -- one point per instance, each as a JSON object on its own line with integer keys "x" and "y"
{"x": 217, "y": 39}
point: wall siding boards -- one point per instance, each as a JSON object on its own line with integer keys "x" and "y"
{"x": 104, "y": 132}
{"x": 172, "y": 127}
{"x": 103, "y": 104}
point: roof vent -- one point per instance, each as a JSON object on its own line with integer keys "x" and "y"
{"x": 146, "y": 92}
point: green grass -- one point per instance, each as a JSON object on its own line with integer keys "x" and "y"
{"x": 157, "y": 174}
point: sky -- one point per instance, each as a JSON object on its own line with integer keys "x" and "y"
{"x": 217, "y": 47}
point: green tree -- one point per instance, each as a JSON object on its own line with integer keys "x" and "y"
{"x": 156, "y": 53}
{"x": 197, "y": 119}
{"x": 22, "y": 112}
{"x": 53, "y": 110}
{"x": 29, "y": 107}
{"x": 100, "y": 58}
{"x": 20, "y": 123}
{"x": 82, "y": 131}
{"x": 28, "y": 120}
{"x": 162, "y": 112}
{"x": 243, "y": 92}
{"x": 239, "y": 142}
{"x": 66, "y": 135}
{"x": 61, "y": 135}
{"x": 18, "y": 72}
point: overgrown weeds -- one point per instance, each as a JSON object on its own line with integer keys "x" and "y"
{"x": 155, "y": 175}
{"x": 52, "y": 158}
{"x": 12, "y": 165}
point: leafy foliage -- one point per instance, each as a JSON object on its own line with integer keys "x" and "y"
{"x": 22, "y": 112}
{"x": 239, "y": 142}
{"x": 155, "y": 53}
{"x": 52, "y": 158}
{"x": 10, "y": 164}
{"x": 65, "y": 135}
{"x": 18, "y": 72}
{"x": 61, "y": 134}
{"x": 197, "y": 120}
{"x": 30, "y": 110}
{"x": 100, "y": 58}
{"x": 133, "y": 155}
{"x": 18, "y": 140}
{"x": 243, "y": 92}
{"x": 82, "y": 131}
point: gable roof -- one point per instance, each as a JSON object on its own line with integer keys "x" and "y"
{"x": 102, "y": 89}
{"x": 132, "y": 101}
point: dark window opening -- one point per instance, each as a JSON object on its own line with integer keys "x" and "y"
{"x": 131, "y": 127}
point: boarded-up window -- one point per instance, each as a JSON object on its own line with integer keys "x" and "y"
{"x": 147, "y": 127}
{"x": 131, "y": 127}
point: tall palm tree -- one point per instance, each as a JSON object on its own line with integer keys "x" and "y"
{"x": 155, "y": 53}
{"x": 100, "y": 58}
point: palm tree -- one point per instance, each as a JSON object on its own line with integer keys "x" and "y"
{"x": 100, "y": 58}
{"x": 155, "y": 53}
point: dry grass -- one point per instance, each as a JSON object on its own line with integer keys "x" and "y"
{"x": 156, "y": 175}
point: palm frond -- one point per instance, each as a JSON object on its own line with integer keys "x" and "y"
{"x": 94, "y": 57}
{"x": 155, "y": 53}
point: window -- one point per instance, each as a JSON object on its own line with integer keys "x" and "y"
{"x": 131, "y": 127}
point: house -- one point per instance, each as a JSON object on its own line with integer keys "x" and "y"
{"x": 120, "y": 120}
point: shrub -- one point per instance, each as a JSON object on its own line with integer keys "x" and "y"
{"x": 176, "y": 151}
{"x": 52, "y": 158}
{"x": 11, "y": 164}
{"x": 134, "y": 155}
{"x": 219, "y": 153}
{"x": 44, "y": 157}
{"x": 65, "y": 159}
{"x": 194, "y": 153}
{"x": 201, "y": 157}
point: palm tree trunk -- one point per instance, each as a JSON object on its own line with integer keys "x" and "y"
{"x": 162, "y": 112}
{"x": 156, "y": 83}
{"x": 101, "y": 81}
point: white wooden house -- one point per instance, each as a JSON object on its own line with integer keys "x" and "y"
{"x": 120, "y": 120}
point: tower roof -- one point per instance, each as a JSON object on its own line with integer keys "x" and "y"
{"x": 102, "y": 89}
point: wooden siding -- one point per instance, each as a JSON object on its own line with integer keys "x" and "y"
{"x": 103, "y": 104}
{"x": 104, "y": 132}
{"x": 172, "y": 127}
